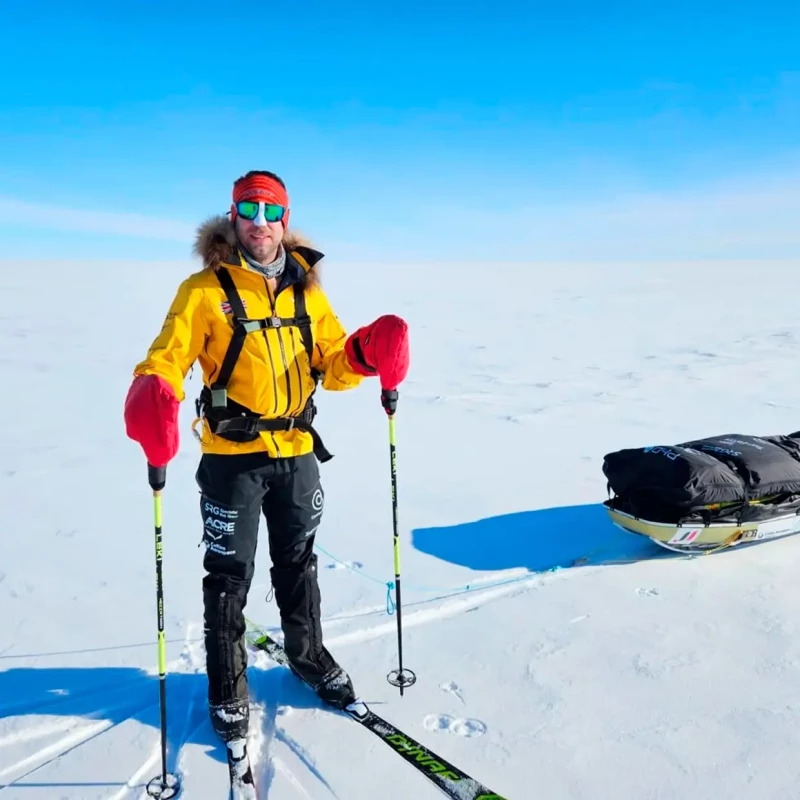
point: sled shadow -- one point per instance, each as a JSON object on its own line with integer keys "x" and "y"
{"x": 538, "y": 540}
{"x": 114, "y": 695}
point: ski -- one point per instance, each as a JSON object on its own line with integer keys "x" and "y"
{"x": 241, "y": 774}
{"x": 452, "y": 781}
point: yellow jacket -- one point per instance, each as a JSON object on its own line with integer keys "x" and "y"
{"x": 272, "y": 375}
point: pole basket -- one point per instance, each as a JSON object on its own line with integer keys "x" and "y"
{"x": 401, "y": 678}
{"x": 164, "y": 788}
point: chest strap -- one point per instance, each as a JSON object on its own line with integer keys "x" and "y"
{"x": 243, "y": 423}
{"x": 242, "y": 326}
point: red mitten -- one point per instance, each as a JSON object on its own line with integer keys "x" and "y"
{"x": 381, "y": 348}
{"x": 151, "y": 418}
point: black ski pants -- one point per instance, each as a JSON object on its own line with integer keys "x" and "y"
{"x": 235, "y": 491}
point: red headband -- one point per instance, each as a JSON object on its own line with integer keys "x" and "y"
{"x": 261, "y": 188}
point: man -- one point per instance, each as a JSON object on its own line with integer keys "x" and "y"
{"x": 259, "y": 448}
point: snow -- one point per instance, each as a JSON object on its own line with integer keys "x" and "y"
{"x": 581, "y": 663}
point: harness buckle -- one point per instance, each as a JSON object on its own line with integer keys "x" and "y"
{"x": 276, "y": 322}
{"x": 251, "y": 426}
{"x": 219, "y": 398}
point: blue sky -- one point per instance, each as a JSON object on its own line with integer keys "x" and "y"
{"x": 431, "y": 130}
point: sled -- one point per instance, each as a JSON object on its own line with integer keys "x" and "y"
{"x": 708, "y": 494}
{"x": 706, "y": 538}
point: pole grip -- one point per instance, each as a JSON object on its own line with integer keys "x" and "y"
{"x": 156, "y": 477}
{"x": 389, "y": 400}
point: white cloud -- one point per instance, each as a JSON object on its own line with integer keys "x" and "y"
{"x": 742, "y": 217}
{"x": 44, "y": 217}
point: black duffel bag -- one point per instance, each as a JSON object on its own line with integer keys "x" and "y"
{"x": 768, "y": 465}
{"x": 676, "y": 482}
{"x": 668, "y": 483}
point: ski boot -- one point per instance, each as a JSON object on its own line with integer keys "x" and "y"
{"x": 230, "y": 720}
{"x": 335, "y": 688}
{"x": 330, "y": 682}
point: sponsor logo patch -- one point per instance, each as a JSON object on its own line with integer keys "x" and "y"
{"x": 225, "y": 306}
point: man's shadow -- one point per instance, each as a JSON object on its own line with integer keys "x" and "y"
{"x": 110, "y": 696}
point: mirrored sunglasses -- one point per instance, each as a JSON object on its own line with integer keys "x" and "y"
{"x": 249, "y": 210}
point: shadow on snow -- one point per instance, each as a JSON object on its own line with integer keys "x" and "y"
{"x": 114, "y": 695}
{"x": 538, "y": 540}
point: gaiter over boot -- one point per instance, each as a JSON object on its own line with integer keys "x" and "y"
{"x": 298, "y": 598}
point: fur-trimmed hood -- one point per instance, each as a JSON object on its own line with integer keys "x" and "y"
{"x": 216, "y": 244}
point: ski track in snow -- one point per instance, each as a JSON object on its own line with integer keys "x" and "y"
{"x": 477, "y": 584}
{"x": 269, "y": 732}
{"x": 267, "y": 764}
{"x": 305, "y": 758}
{"x": 78, "y": 733}
{"x": 264, "y": 730}
{"x": 142, "y": 775}
{"x": 444, "y": 610}
{"x": 280, "y": 767}
{"x": 23, "y": 706}
{"x": 265, "y": 733}
{"x": 82, "y": 734}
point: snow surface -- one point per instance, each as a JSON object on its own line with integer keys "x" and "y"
{"x": 576, "y": 677}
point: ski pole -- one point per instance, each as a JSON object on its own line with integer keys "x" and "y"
{"x": 400, "y": 677}
{"x": 165, "y": 785}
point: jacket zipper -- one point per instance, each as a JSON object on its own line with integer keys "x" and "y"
{"x": 272, "y": 370}
{"x": 273, "y": 302}
{"x": 296, "y": 360}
